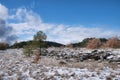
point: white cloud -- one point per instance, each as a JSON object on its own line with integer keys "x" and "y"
{"x": 68, "y": 34}
{"x": 3, "y": 12}
{"x": 28, "y": 23}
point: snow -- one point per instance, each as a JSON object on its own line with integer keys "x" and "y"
{"x": 14, "y": 66}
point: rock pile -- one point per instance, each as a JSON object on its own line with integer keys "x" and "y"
{"x": 78, "y": 54}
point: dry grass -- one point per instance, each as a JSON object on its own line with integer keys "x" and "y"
{"x": 86, "y": 76}
{"x": 94, "y": 43}
{"x": 69, "y": 46}
{"x": 3, "y": 46}
{"x": 90, "y": 65}
{"x": 48, "y": 61}
{"x": 108, "y": 78}
{"x": 112, "y": 43}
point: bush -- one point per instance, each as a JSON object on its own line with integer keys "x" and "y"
{"x": 27, "y": 51}
{"x": 3, "y": 46}
{"x": 29, "y": 47}
{"x": 69, "y": 46}
{"x": 112, "y": 43}
{"x": 94, "y": 43}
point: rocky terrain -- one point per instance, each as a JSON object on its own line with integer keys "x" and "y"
{"x": 81, "y": 54}
{"x": 61, "y": 64}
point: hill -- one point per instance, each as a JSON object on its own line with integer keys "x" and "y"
{"x": 46, "y": 44}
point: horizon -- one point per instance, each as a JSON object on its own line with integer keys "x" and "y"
{"x": 63, "y": 21}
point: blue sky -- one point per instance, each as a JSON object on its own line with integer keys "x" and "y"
{"x": 58, "y": 18}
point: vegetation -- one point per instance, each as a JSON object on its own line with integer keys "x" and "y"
{"x": 3, "y": 46}
{"x": 19, "y": 44}
{"x": 69, "y": 45}
{"x": 83, "y": 43}
{"x": 94, "y": 43}
{"x": 99, "y": 43}
{"x": 91, "y": 43}
{"x": 40, "y": 36}
{"x": 27, "y": 49}
{"x": 46, "y": 44}
{"x": 36, "y": 43}
{"x": 112, "y": 43}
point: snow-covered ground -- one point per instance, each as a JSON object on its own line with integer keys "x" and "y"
{"x": 14, "y": 66}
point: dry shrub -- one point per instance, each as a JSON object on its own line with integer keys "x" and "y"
{"x": 3, "y": 46}
{"x": 108, "y": 78}
{"x": 62, "y": 62}
{"x": 36, "y": 56}
{"x": 112, "y": 43}
{"x": 86, "y": 76}
{"x": 48, "y": 61}
{"x": 69, "y": 45}
{"x": 94, "y": 43}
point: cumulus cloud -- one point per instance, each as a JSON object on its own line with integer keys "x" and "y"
{"x": 70, "y": 34}
{"x": 28, "y": 23}
{"x": 6, "y": 31}
{"x": 6, "y": 34}
{"x": 3, "y": 12}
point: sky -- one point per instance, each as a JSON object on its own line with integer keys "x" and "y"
{"x": 63, "y": 21}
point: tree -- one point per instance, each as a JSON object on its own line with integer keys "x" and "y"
{"x": 40, "y": 36}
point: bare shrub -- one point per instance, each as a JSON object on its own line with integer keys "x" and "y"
{"x": 62, "y": 63}
{"x": 94, "y": 43}
{"x": 36, "y": 56}
{"x": 86, "y": 76}
{"x": 108, "y": 78}
{"x": 3, "y": 46}
{"x": 69, "y": 45}
{"x": 48, "y": 61}
{"x": 112, "y": 43}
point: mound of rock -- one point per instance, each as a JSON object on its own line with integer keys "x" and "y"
{"x": 81, "y": 54}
